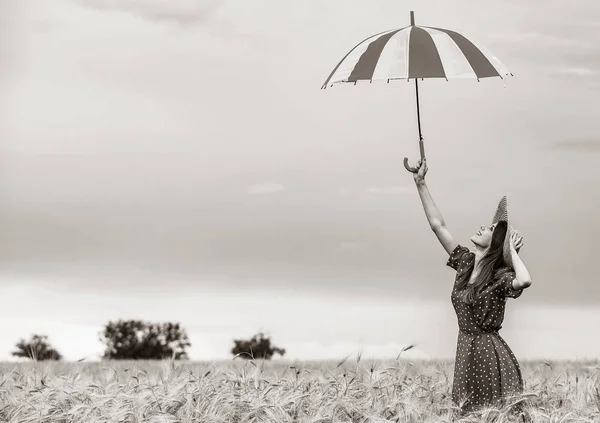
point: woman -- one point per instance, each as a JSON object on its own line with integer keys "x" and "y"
{"x": 486, "y": 371}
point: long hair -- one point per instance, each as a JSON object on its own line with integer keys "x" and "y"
{"x": 491, "y": 266}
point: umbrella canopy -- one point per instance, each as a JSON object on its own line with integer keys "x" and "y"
{"x": 416, "y": 52}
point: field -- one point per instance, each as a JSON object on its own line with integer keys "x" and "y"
{"x": 258, "y": 391}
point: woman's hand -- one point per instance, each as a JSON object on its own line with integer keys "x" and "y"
{"x": 419, "y": 176}
{"x": 516, "y": 241}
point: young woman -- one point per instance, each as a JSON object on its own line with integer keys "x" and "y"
{"x": 486, "y": 371}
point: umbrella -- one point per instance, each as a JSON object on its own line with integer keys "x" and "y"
{"x": 416, "y": 52}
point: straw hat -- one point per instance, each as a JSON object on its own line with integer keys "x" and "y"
{"x": 502, "y": 215}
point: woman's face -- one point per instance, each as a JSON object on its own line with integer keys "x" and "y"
{"x": 483, "y": 237}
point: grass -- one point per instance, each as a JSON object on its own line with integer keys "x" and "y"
{"x": 258, "y": 391}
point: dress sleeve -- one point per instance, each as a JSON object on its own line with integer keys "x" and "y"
{"x": 456, "y": 256}
{"x": 507, "y": 286}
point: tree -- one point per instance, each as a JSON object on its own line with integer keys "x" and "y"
{"x": 259, "y": 346}
{"x": 138, "y": 340}
{"x": 37, "y": 348}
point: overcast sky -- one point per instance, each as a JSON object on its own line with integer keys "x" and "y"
{"x": 178, "y": 161}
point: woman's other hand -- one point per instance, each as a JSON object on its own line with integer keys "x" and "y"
{"x": 516, "y": 241}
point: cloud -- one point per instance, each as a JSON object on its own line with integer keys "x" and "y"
{"x": 588, "y": 146}
{"x": 265, "y": 188}
{"x": 541, "y": 39}
{"x": 187, "y": 14}
{"x": 353, "y": 245}
{"x": 12, "y": 24}
{"x": 390, "y": 190}
{"x": 577, "y": 71}
{"x": 182, "y": 12}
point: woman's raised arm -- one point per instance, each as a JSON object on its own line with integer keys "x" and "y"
{"x": 434, "y": 217}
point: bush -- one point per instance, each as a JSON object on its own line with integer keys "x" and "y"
{"x": 138, "y": 340}
{"x": 259, "y": 346}
{"x": 37, "y": 348}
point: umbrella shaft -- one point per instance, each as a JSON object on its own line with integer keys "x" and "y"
{"x": 421, "y": 147}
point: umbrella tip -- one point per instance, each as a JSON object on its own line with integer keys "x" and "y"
{"x": 412, "y": 18}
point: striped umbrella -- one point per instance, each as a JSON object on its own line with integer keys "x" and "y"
{"x": 416, "y": 52}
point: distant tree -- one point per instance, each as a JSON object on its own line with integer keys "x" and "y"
{"x": 37, "y": 348}
{"x": 138, "y": 340}
{"x": 259, "y": 346}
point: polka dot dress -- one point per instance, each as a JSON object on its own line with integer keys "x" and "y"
{"x": 485, "y": 370}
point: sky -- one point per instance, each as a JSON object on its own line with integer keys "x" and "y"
{"x": 178, "y": 161}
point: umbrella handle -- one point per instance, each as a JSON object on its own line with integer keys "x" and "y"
{"x": 422, "y": 151}
{"x": 410, "y": 169}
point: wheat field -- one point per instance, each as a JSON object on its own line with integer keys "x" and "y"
{"x": 352, "y": 390}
